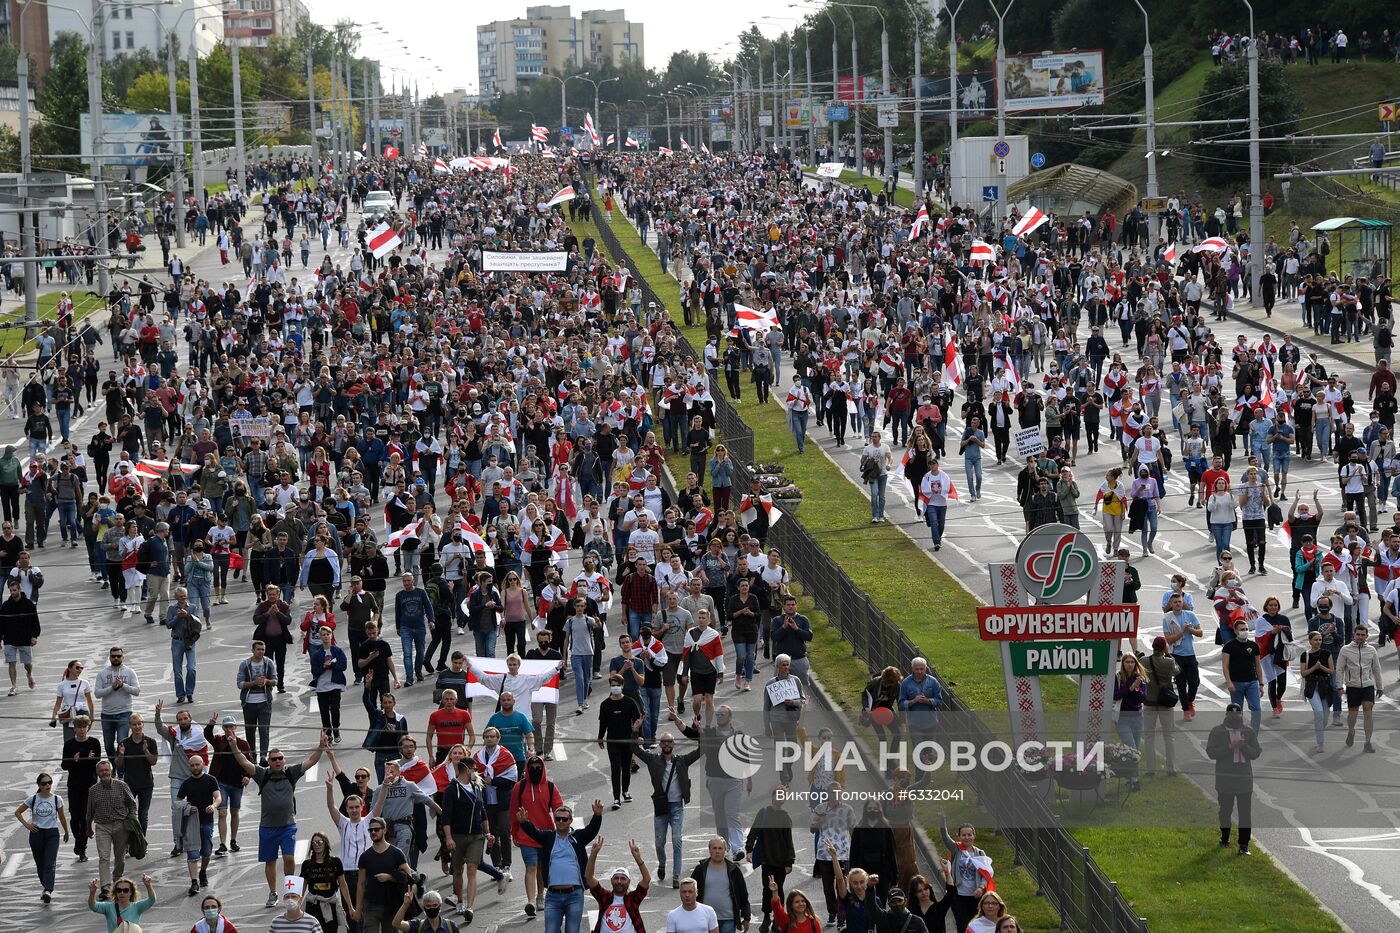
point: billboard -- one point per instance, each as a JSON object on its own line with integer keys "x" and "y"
{"x": 977, "y": 96}
{"x": 1054, "y": 80}
{"x": 132, "y": 139}
{"x": 799, "y": 112}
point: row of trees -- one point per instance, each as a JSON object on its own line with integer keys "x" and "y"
{"x": 139, "y": 81}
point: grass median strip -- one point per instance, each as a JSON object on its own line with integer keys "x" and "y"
{"x": 1181, "y": 882}
{"x": 12, "y": 338}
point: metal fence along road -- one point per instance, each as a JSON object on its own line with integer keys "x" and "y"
{"x": 1064, "y": 871}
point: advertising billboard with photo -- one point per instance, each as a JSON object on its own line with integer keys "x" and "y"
{"x": 977, "y": 96}
{"x": 132, "y": 139}
{"x": 1053, "y": 80}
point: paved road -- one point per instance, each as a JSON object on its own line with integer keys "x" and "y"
{"x": 79, "y": 624}
{"x": 1328, "y": 819}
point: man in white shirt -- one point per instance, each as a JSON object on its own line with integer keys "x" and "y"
{"x": 692, "y": 916}
{"x": 799, "y": 403}
{"x": 933, "y": 492}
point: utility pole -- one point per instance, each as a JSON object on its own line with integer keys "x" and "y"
{"x": 195, "y": 129}
{"x": 835, "y": 92}
{"x": 364, "y": 80}
{"x": 857, "y": 95}
{"x": 177, "y": 168}
{"x": 240, "y": 154}
{"x": 99, "y": 184}
{"x": 761, "y": 136}
{"x": 26, "y": 164}
{"x": 790, "y": 132}
{"x": 885, "y": 86}
{"x": 1256, "y": 203}
{"x": 311, "y": 112}
{"x": 779, "y": 111}
{"x": 811, "y": 102}
{"x": 1151, "y": 118}
{"x": 917, "y": 25}
{"x": 953, "y": 162}
{"x": 1001, "y": 98}
{"x": 378, "y": 99}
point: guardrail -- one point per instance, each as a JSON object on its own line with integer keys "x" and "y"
{"x": 1065, "y": 872}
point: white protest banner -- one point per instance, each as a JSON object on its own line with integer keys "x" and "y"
{"x": 260, "y": 427}
{"x": 523, "y": 262}
{"x": 830, "y": 170}
{"x": 1029, "y": 442}
{"x": 783, "y": 691}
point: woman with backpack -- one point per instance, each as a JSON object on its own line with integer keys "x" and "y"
{"x": 1161, "y": 669}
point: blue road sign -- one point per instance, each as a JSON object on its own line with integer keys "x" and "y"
{"x": 838, "y": 113}
{"x": 1002, "y": 149}
{"x": 1038, "y": 160}
{"x": 989, "y": 192}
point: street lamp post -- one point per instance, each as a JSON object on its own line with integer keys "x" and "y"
{"x": 177, "y": 169}
{"x": 884, "y": 76}
{"x": 26, "y": 165}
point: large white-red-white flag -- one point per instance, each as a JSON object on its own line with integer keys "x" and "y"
{"x": 631, "y": 143}
{"x": 1213, "y": 244}
{"x": 952, "y": 360}
{"x": 920, "y": 225}
{"x": 495, "y": 668}
{"x": 565, "y": 193}
{"x": 982, "y": 251}
{"x": 440, "y": 166}
{"x": 383, "y": 239}
{"x": 1169, "y": 254}
{"x": 496, "y": 139}
{"x": 752, "y": 319}
{"x": 1029, "y": 221}
{"x": 590, "y": 129}
{"x": 539, "y": 134}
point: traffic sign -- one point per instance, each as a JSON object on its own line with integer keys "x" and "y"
{"x": 838, "y": 113}
{"x": 989, "y": 192}
{"x": 1388, "y": 112}
{"x": 1002, "y": 149}
{"x": 1038, "y": 160}
{"x": 1001, "y": 166}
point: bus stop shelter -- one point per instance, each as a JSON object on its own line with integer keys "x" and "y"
{"x": 1360, "y": 246}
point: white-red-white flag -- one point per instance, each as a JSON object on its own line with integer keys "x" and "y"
{"x": 662, "y": 150}
{"x": 495, "y": 668}
{"x": 1213, "y": 244}
{"x": 631, "y": 143}
{"x": 920, "y": 225}
{"x": 440, "y": 166}
{"x": 422, "y": 150}
{"x": 590, "y": 129}
{"x": 539, "y": 134}
{"x": 1169, "y": 254}
{"x": 685, "y": 146}
{"x": 982, "y": 251}
{"x": 383, "y": 239}
{"x": 565, "y": 193}
{"x": 496, "y": 139}
{"x": 1029, "y": 221}
{"x": 612, "y": 139}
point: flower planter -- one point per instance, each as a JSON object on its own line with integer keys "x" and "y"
{"x": 788, "y": 504}
{"x": 1079, "y": 780}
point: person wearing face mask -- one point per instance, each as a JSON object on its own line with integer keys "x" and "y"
{"x": 619, "y": 724}
{"x": 432, "y": 919}
{"x": 212, "y": 919}
{"x": 294, "y": 919}
{"x": 537, "y": 797}
{"x": 1233, "y": 746}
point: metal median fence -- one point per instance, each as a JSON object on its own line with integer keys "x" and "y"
{"x": 1064, "y": 871}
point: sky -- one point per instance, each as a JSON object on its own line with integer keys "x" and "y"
{"x": 450, "y": 53}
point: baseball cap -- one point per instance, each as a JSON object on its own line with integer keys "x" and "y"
{"x": 621, "y": 870}
{"x": 228, "y": 719}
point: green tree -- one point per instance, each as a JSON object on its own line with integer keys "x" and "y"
{"x": 1279, "y": 110}
{"x": 151, "y": 92}
{"x": 63, "y": 98}
{"x": 125, "y": 69}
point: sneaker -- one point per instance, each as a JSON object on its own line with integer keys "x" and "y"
{"x": 234, "y": 846}
{"x": 203, "y": 878}
{"x": 529, "y": 908}
{"x": 661, "y": 872}
{"x": 221, "y": 851}
{"x": 1351, "y": 738}
{"x": 616, "y": 804}
{"x": 465, "y": 913}
{"x": 176, "y": 852}
{"x": 46, "y": 897}
{"x": 675, "y": 882}
{"x": 1368, "y": 747}
{"x": 626, "y": 798}
{"x": 194, "y": 888}
{"x": 271, "y": 899}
